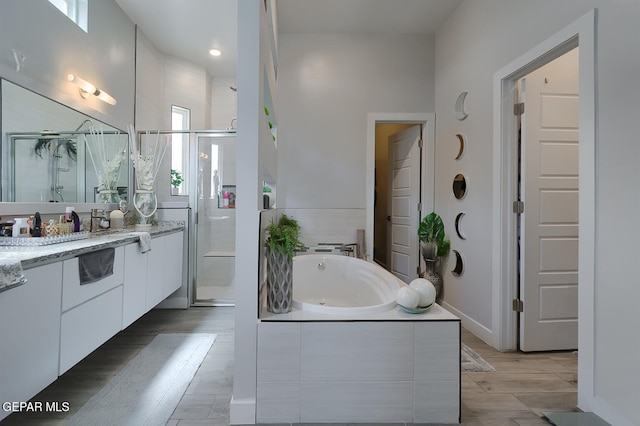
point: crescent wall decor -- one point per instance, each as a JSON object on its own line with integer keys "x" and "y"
{"x": 459, "y": 226}
{"x": 458, "y": 269}
{"x": 461, "y": 140}
{"x": 460, "y": 112}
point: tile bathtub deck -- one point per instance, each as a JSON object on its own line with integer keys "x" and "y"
{"x": 522, "y": 387}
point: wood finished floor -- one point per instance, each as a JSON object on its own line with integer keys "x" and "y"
{"x": 523, "y": 385}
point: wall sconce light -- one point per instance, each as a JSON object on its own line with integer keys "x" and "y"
{"x": 87, "y": 89}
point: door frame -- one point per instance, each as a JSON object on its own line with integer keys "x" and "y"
{"x": 580, "y": 33}
{"x": 427, "y": 171}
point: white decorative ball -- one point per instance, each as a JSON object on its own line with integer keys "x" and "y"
{"x": 408, "y": 297}
{"x": 426, "y": 289}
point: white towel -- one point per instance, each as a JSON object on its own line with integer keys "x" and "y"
{"x": 144, "y": 241}
{"x": 11, "y": 273}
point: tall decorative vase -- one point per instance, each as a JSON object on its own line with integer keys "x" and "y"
{"x": 430, "y": 256}
{"x": 108, "y": 196}
{"x": 146, "y": 204}
{"x": 279, "y": 282}
{"x": 435, "y": 278}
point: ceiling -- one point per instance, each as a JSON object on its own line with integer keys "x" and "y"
{"x": 189, "y": 29}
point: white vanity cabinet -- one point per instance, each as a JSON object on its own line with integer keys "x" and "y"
{"x": 51, "y": 322}
{"x": 134, "y": 300}
{"x": 156, "y": 272}
{"x": 174, "y": 253}
{"x": 152, "y": 276}
{"x": 91, "y": 313}
{"x": 29, "y": 334}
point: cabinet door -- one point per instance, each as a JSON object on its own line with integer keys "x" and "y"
{"x": 29, "y": 336}
{"x": 155, "y": 272}
{"x": 87, "y": 326}
{"x": 174, "y": 262}
{"x": 134, "y": 302}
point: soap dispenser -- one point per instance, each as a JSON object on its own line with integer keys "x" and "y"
{"x": 20, "y": 228}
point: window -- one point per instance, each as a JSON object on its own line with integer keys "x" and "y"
{"x": 215, "y": 172}
{"x": 76, "y": 10}
{"x": 180, "y": 121}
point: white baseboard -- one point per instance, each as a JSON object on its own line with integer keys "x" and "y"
{"x": 242, "y": 411}
{"x": 478, "y": 330}
{"x": 605, "y": 411}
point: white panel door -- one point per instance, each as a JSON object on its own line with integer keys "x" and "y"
{"x": 404, "y": 167}
{"x": 549, "y": 224}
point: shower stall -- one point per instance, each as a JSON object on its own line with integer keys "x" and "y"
{"x": 206, "y": 163}
{"x": 214, "y": 204}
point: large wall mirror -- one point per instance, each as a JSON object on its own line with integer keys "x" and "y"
{"x": 50, "y": 152}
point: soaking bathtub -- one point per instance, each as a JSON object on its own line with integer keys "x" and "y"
{"x": 336, "y": 284}
{"x": 347, "y": 354}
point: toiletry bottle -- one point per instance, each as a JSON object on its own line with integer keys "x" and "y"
{"x": 76, "y": 221}
{"x": 225, "y": 199}
{"x": 20, "y": 228}
{"x": 36, "y": 231}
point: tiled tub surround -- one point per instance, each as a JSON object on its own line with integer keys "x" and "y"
{"x": 55, "y": 322}
{"x": 385, "y": 367}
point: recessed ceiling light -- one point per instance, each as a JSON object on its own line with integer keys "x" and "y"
{"x": 215, "y": 52}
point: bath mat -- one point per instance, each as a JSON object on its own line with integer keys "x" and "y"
{"x": 472, "y": 362}
{"x": 574, "y": 419}
{"x": 148, "y": 389}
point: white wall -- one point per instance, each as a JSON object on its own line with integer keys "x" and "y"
{"x": 224, "y": 106}
{"x": 149, "y": 84}
{"x": 326, "y": 86}
{"x": 188, "y": 86}
{"x": 54, "y": 46}
{"x": 479, "y": 39}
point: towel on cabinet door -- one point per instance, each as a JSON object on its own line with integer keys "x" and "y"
{"x": 144, "y": 241}
{"x": 11, "y": 273}
{"x": 96, "y": 265}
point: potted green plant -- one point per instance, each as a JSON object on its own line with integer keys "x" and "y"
{"x": 67, "y": 145}
{"x": 176, "y": 181}
{"x": 434, "y": 244}
{"x": 283, "y": 240}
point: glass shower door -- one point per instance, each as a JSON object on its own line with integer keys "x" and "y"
{"x": 216, "y": 219}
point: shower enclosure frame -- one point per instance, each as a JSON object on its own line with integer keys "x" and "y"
{"x": 192, "y": 204}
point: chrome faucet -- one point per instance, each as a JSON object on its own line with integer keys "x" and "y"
{"x": 103, "y": 220}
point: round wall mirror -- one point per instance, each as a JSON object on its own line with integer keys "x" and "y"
{"x": 459, "y": 267}
{"x": 459, "y": 186}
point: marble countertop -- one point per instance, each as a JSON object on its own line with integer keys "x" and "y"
{"x": 32, "y": 256}
{"x": 435, "y": 313}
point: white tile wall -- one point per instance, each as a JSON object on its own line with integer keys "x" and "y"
{"x": 225, "y": 103}
{"x": 357, "y": 351}
{"x": 436, "y": 402}
{"x": 280, "y": 402}
{"x": 434, "y": 345}
{"x": 328, "y": 225}
{"x": 356, "y": 402}
{"x": 361, "y": 371}
{"x": 279, "y": 349}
